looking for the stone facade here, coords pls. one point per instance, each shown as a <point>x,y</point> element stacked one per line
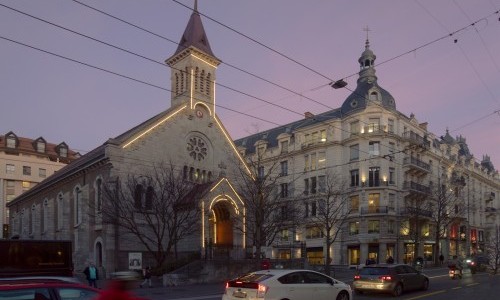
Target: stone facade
<point>393,166</point>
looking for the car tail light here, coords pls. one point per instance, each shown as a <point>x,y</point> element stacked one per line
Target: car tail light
<point>386,278</point>
<point>356,277</point>
<point>261,291</point>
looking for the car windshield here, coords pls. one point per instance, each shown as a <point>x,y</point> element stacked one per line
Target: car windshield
<point>374,271</point>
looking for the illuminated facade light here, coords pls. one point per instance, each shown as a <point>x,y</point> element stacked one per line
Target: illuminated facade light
<point>154,126</point>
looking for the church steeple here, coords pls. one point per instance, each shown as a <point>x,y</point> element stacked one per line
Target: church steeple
<point>367,63</point>
<point>194,34</point>
<point>193,67</point>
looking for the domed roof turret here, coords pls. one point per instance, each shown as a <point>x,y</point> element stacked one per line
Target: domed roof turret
<point>367,88</point>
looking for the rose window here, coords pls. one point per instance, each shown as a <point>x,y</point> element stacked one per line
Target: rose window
<point>197,148</point>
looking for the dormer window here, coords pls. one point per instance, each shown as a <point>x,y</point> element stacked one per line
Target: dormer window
<point>11,141</point>
<point>40,145</point>
<point>62,149</point>
<point>374,96</point>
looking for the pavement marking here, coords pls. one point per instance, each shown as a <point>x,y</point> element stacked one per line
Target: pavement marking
<point>471,284</point>
<point>427,295</point>
<point>456,288</point>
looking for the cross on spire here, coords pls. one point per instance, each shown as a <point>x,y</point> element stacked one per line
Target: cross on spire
<point>367,43</point>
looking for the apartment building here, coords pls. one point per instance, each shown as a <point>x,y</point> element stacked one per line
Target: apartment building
<point>404,184</point>
<point>24,163</point>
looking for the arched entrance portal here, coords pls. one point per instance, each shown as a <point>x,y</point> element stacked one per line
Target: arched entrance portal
<point>221,225</point>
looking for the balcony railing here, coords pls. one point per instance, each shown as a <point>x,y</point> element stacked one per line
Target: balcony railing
<point>374,210</point>
<point>414,187</point>
<point>415,139</point>
<point>415,211</point>
<point>414,162</point>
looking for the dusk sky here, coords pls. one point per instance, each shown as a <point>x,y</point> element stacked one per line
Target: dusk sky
<point>298,47</point>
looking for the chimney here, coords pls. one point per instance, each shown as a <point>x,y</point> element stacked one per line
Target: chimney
<point>308,115</point>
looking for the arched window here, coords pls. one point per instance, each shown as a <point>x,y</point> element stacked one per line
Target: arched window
<point>182,83</point>
<point>191,174</point>
<point>98,254</point>
<point>78,205</point>
<point>60,211</point>
<point>32,222</point>
<point>150,193</point>
<point>373,96</point>
<point>98,195</point>
<point>196,78</point>
<point>138,196</point>
<point>45,216</point>
<point>176,84</point>
<point>208,84</point>
<point>185,173</point>
<point>202,81</point>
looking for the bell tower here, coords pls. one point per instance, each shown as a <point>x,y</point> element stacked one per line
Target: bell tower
<point>193,67</point>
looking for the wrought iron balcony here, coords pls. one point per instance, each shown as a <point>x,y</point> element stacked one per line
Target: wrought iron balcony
<point>374,210</point>
<point>416,166</point>
<point>416,140</point>
<point>415,211</point>
<point>416,189</point>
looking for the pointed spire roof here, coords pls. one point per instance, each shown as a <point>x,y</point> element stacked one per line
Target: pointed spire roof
<point>194,34</point>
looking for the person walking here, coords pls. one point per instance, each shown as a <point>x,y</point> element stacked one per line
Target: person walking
<point>147,276</point>
<point>91,274</point>
<point>120,287</point>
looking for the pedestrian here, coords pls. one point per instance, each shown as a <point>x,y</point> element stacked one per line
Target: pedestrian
<point>441,259</point>
<point>91,274</point>
<point>147,276</point>
<point>119,287</point>
<point>390,260</point>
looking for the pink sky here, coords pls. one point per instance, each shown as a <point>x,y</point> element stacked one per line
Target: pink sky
<point>447,84</point>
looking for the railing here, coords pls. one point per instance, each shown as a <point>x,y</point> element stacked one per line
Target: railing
<point>374,210</point>
<point>416,187</point>
<point>415,139</point>
<point>416,162</point>
<point>414,211</point>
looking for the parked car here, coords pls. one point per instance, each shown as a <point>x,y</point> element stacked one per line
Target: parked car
<point>389,278</point>
<point>45,289</point>
<point>277,284</point>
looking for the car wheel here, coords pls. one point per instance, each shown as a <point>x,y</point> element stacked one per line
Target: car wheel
<point>398,290</point>
<point>343,296</point>
<point>425,286</point>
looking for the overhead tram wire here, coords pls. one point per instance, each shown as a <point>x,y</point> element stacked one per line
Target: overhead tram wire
<point>268,102</point>
<point>381,63</point>
<point>461,48</point>
<point>130,52</point>
<point>151,85</point>
<point>225,63</point>
<point>174,68</point>
<point>125,76</point>
<point>157,62</point>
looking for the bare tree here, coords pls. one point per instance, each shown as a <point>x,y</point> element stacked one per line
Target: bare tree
<point>331,212</point>
<point>269,207</point>
<point>158,208</point>
<point>493,249</point>
<point>446,206</point>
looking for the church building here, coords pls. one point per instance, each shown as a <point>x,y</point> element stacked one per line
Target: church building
<point>189,136</point>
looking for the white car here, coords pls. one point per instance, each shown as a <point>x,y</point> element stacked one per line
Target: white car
<point>279,284</point>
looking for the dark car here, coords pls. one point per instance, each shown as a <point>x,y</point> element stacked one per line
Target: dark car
<point>45,289</point>
<point>389,278</point>
<point>477,263</point>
